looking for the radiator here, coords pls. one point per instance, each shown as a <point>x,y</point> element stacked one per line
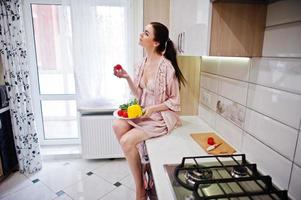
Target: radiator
<point>97,137</point>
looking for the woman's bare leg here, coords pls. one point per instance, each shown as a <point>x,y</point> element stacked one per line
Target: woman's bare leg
<point>128,143</point>
<point>120,127</point>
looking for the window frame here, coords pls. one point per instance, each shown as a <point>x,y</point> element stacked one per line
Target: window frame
<point>37,98</point>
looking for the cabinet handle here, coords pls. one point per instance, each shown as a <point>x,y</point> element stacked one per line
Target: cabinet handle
<point>179,43</point>
<point>183,42</point>
<point>181,50</point>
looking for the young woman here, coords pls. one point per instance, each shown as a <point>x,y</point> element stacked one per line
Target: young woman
<point>156,86</point>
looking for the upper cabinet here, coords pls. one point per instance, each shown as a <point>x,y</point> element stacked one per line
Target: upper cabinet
<point>189,21</point>
<point>237,29</point>
<point>218,28</point>
<point>156,10</point>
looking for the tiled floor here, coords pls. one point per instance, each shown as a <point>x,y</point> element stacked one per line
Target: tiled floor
<point>72,179</point>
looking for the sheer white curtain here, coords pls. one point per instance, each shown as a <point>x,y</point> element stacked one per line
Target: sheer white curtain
<point>102,33</point>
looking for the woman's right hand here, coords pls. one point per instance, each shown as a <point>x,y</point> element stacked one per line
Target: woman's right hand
<point>120,73</point>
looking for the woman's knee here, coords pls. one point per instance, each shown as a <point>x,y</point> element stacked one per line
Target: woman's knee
<point>127,143</point>
<point>120,126</point>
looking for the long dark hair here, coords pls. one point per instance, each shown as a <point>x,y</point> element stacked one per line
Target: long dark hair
<point>161,35</point>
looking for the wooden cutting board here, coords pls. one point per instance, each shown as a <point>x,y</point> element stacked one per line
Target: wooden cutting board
<point>224,148</point>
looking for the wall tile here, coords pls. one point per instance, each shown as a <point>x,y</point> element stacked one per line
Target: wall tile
<point>210,82</point>
<point>231,133</point>
<point>207,115</point>
<point>281,73</point>
<point>283,12</point>
<point>298,151</point>
<point>278,136</point>
<point>268,161</point>
<point>209,65</point>
<point>283,106</point>
<point>295,184</point>
<point>233,67</point>
<point>208,98</point>
<point>230,110</point>
<point>282,41</point>
<point>233,89</point>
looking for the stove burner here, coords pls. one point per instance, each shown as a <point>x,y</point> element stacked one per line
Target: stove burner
<point>192,176</point>
<point>239,171</point>
<point>189,197</point>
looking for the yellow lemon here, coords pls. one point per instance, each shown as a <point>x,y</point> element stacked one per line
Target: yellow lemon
<point>134,111</point>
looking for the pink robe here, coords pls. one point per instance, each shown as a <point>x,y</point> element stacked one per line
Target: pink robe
<point>164,88</point>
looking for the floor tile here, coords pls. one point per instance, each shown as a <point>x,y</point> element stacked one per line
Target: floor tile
<point>48,167</point>
<point>87,165</point>
<point>59,177</point>
<point>63,197</point>
<point>36,191</point>
<point>91,188</point>
<point>120,193</point>
<point>13,183</point>
<point>128,182</point>
<point>113,171</point>
<point>68,178</point>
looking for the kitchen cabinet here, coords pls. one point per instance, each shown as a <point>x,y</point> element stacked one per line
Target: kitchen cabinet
<point>191,68</point>
<point>189,25</point>
<point>237,29</point>
<point>156,10</point>
<point>217,28</point>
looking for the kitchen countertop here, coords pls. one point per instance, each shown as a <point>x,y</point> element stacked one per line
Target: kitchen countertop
<point>170,149</point>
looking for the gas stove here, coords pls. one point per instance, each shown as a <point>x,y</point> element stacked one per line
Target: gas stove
<point>221,177</point>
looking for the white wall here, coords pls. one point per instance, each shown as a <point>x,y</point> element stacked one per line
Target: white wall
<point>261,99</point>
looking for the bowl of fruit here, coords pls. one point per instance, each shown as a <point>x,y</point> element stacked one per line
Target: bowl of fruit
<point>130,110</point>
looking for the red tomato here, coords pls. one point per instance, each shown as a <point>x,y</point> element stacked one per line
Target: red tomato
<point>125,114</point>
<point>210,141</point>
<point>117,67</point>
<point>120,113</point>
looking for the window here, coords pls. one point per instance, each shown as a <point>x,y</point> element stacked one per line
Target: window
<point>53,54</point>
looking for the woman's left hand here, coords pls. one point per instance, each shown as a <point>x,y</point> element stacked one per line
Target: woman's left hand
<point>148,111</point>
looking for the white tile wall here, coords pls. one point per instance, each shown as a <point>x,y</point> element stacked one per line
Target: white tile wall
<point>233,89</point>
<point>282,41</point>
<point>233,67</point>
<point>277,104</point>
<point>231,111</point>
<point>268,161</point>
<point>283,12</point>
<point>210,82</point>
<point>209,65</point>
<point>295,184</point>
<point>298,151</point>
<point>282,73</point>
<point>272,133</point>
<point>229,132</point>
<point>208,98</point>
<point>271,89</point>
<point>207,115</point>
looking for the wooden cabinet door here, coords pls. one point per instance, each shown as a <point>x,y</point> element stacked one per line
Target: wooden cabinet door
<point>237,29</point>
<point>156,10</point>
<point>191,68</point>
